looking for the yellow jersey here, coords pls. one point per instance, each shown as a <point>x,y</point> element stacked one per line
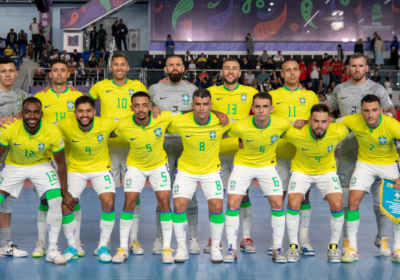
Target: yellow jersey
<point>315,156</point>
<point>259,144</point>
<point>58,106</point>
<point>26,149</point>
<point>376,146</point>
<point>88,151</point>
<point>146,142</point>
<point>295,105</point>
<point>201,143</point>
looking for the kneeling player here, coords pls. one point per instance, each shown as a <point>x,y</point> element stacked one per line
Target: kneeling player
<point>314,162</point>
<point>89,159</point>
<point>257,159</point>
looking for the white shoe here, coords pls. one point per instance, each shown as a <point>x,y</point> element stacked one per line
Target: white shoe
<point>382,244</point>
<point>54,256</point>
<point>350,256</point>
<point>231,255</point>
<point>157,246</point>
<point>396,256</point>
<point>181,255</point>
<point>70,253</point>
<point>81,252</point>
<point>108,246</point>
<point>12,250</point>
<point>346,244</point>
<point>278,256</point>
<point>121,256</point>
<point>40,249</point>
<point>334,254</point>
<point>103,254</point>
<point>216,255</point>
<point>305,247</point>
<point>247,245</point>
<point>136,248</point>
<point>293,253</point>
<point>167,255</point>
<point>207,249</point>
<point>194,246</point>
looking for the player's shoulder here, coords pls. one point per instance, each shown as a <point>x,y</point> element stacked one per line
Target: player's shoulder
<point>135,83</point>
<point>279,120</point>
<point>12,126</point>
<point>41,94</point>
<point>215,89</point>
<point>125,121</point>
<point>66,122</point>
<point>309,93</point>
<point>247,89</point>
<point>375,88</point>
<point>75,93</point>
<point>277,91</point>
<point>49,127</point>
<point>21,92</point>
<point>105,82</point>
<point>342,86</point>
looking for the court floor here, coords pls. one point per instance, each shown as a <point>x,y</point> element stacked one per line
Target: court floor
<point>149,266</point>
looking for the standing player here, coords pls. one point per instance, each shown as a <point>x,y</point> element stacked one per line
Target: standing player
<point>235,100</point>
<point>257,159</point>
<point>295,104</point>
<point>314,162</point>
<point>88,159</point>
<point>201,134</point>
<point>347,98</point>
<point>33,143</point>
<point>146,159</point>
<point>377,158</point>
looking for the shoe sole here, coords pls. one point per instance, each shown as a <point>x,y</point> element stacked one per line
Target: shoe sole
<point>279,261</point>
<point>379,247</point>
<point>216,261</point>
<point>270,252</point>
<point>307,253</point>
<point>57,263</point>
<point>39,256</point>
<point>117,261</point>
<point>348,261</point>
<point>168,262</point>
<point>335,261</point>
<point>179,261</point>
<point>292,261</point>
<point>156,253</point>
<point>82,255</point>
<point>105,261</point>
<point>194,252</point>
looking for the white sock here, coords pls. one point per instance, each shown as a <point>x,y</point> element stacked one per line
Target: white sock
<point>135,224</point>
<point>54,219</point>
<point>217,227</point>
<point>78,220</point>
<point>344,229</point>
<point>396,232</point>
<point>69,228</point>
<point>106,226</point>
<point>166,224</point>
<point>245,218</point>
<point>158,223</point>
<point>5,236</point>
<point>193,216</point>
<point>278,227</point>
<point>305,217</point>
<point>337,220</point>
<point>125,225</point>
<point>232,222</point>
<point>180,227</point>
<point>353,222</point>
<point>380,221</point>
<point>293,221</point>
<point>42,222</point>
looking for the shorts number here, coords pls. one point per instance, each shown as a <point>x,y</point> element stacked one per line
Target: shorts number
<point>318,159</point>
<point>122,103</point>
<point>60,116</point>
<point>148,147</point>
<point>262,149</point>
<point>335,180</point>
<point>164,177</point>
<point>88,150</point>
<point>202,148</point>
<point>353,110</point>
<point>52,176</point>
<point>218,183</point>
<point>232,109</point>
<point>107,179</point>
<point>276,181</point>
<point>290,111</point>
<point>29,153</point>
<point>372,146</point>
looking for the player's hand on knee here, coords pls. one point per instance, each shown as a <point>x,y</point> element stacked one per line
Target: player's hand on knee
<point>6,120</point>
<point>69,201</point>
<point>156,112</point>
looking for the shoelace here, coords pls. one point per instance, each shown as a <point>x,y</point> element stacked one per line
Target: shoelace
<point>136,244</point>
<point>79,244</point>
<point>120,251</point>
<point>209,242</point>
<point>346,244</point>
<point>350,251</point>
<point>168,252</point>
<point>384,244</point>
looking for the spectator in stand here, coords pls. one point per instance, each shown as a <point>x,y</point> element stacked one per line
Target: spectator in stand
<point>39,75</point>
<point>93,35</point>
<point>73,62</point>
<point>34,27</point>
<point>263,76</point>
<point>12,37</point>
<point>376,78</point>
<point>192,65</point>
<point>340,54</point>
<point>159,65</point>
<point>359,48</point>
<point>245,83</point>
<point>115,34</point>
<point>17,50</point>
<point>309,86</point>
<point>71,69</point>
<point>337,67</point>
<point>123,32</point>
<point>274,83</point>
<point>328,94</point>
<point>196,82</point>
<point>332,86</point>
<point>313,73</point>
<point>39,43</point>
<point>263,58</point>
<point>203,75</point>
<point>188,57</point>
<point>104,55</point>
<point>257,86</point>
<point>249,44</point>
<point>394,51</point>
<point>249,76</point>
<point>258,65</point>
<point>45,58</point>
<point>8,51</point>
<point>81,64</point>
<point>55,55</point>
<point>321,98</point>
<point>186,75</point>
<point>303,71</point>
<point>269,65</point>
<point>169,45</point>
<point>102,36</point>
<point>246,64</point>
<point>276,75</point>
<point>215,64</point>
<point>94,55</point>
<point>30,49</point>
<point>326,69</point>
<point>320,88</point>
<point>379,49</point>
<point>370,63</point>
<point>22,39</point>
<point>279,57</point>
<point>75,55</point>
<point>92,64</point>
<point>267,85</point>
<point>65,55</point>
<point>147,63</point>
<point>326,57</point>
<point>202,58</point>
<point>204,82</point>
<point>2,44</point>
<point>49,48</point>
<point>102,65</point>
<point>372,45</point>
<point>389,85</point>
<point>346,74</point>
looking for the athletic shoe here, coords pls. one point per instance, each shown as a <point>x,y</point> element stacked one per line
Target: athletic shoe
<point>70,253</point>
<point>350,256</point>
<point>293,253</point>
<point>382,244</point>
<point>157,246</point>
<point>216,255</point>
<point>231,255</point>
<point>396,256</point>
<point>271,248</point>
<point>167,255</point>
<point>136,248</point>
<point>108,247</point>
<point>346,244</point>
<point>54,256</point>
<point>207,249</point>
<point>40,249</point>
<point>305,247</point>
<point>194,246</point>
<point>81,253</point>
<point>247,245</point>
<point>334,254</point>
<point>181,255</point>
<point>103,254</point>
<point>12,250</point>
<point>121,256</point>
<point>278,256</point>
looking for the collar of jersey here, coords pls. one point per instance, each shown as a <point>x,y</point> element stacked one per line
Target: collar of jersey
<point>258,127</point>
<point>88,130</point>
<point>289,89</point>
<point>209,120</point>
<point>143,127</point>
<point>119,85</point>
<point>30,135</point>
<point>229,89</point>
<point>372,129</point>
<point>61,92</point>
<point>313,135</point>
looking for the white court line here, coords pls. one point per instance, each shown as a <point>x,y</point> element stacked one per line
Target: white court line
<point>327,1</point>
<point>311,19</point>
<point>361,21</point>
<point>387,2</point>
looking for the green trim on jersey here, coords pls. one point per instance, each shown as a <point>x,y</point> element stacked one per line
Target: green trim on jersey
<point>88,130</point>
<point>58,94</point>
<point>229,89</point>
<point>254,124</point>
<point>30,135</point>
<point>3,145</point>
<point>372,129</point>
<point>142,126</point>
<point>55,152</point>
<point>91,95</point>
<point>289,89</point>
<point>119,85</point>
<point>316,138</point>
<point>209,120</point>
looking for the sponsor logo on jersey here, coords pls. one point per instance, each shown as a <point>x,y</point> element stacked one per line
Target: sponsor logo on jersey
<point>243,98</point>
<point>176,189</point>
<point>213,134</point>
<point>158,132</point>
<point>70,105</point>
<point>100,138</point>
<point>232,185</point>
<point>274,138</point>
<point>302,101</point>
<point>330,148</point>
<point>396,193</point>
<point>131,92</point>
<point>382,139</point>
<point>293,185</point>
<point>185,99</point>
<point>41,147</point>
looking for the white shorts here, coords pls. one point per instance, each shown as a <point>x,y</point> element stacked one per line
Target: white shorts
<point>54,164</point>
<point>366,174</point>
<point>102,182</point>
<point>185,185</point>
<point>226,169</point>
<point>267,177</point>
<point>283,165</point>
<point>159,179</point>
<point>118,156</point>
<point>43,176</point>
<point>327,183</point>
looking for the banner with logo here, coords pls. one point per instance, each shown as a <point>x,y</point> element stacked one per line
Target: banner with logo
<point>390,200</point>
<point>46,20</point>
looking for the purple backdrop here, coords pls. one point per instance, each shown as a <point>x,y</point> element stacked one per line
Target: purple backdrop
<point>46,20</point>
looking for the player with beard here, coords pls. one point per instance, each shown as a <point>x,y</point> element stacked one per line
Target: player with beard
<point>347,98</point>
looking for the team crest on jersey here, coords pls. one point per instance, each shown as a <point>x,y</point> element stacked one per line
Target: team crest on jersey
<point>19,103</point>
<point>70,105</point>
<point>158,132</point>
<point>342,178</point>
<point>293,185</point>
<point>396,194</point>
<point>243,97</point>
<point>274,139</point>
<point>232,185</point>
<point>353,181</point>
<point>382,139</point>
<point>330,148</point>
<point>41,147</point>
<point>100,138</point>
<point>213,134</point>
<point>1,180</point>
<point>131,92</point>
<point>302,101</point>
<point>185,99</point>
<point>176,189</point>
<point>128,182</point>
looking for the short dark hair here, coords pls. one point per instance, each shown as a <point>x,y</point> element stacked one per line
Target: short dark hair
<point>202,93</point>
<point>356,56</point>
<point>56,50</point>
<point>172,56</point>
<point>232,59</point>
<point>49,42</point>
<point>7,60</point>
<point>248,34</point>
<point>140,94</point>
<point>119,55</point>
<point>263,95</point>
<point>58,61</point>
<point>32,100</point>
<point>369,98</point>
<point>85,99</point>
<point>321,108</point>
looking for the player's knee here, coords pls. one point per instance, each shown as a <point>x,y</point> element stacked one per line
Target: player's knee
<point>108,205</point>
<point>163,203</point>
<point>65,209</point>
<point>353,203</point>
<point>336,206</point>
<point>277,204</point>
<point>294,204</point>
